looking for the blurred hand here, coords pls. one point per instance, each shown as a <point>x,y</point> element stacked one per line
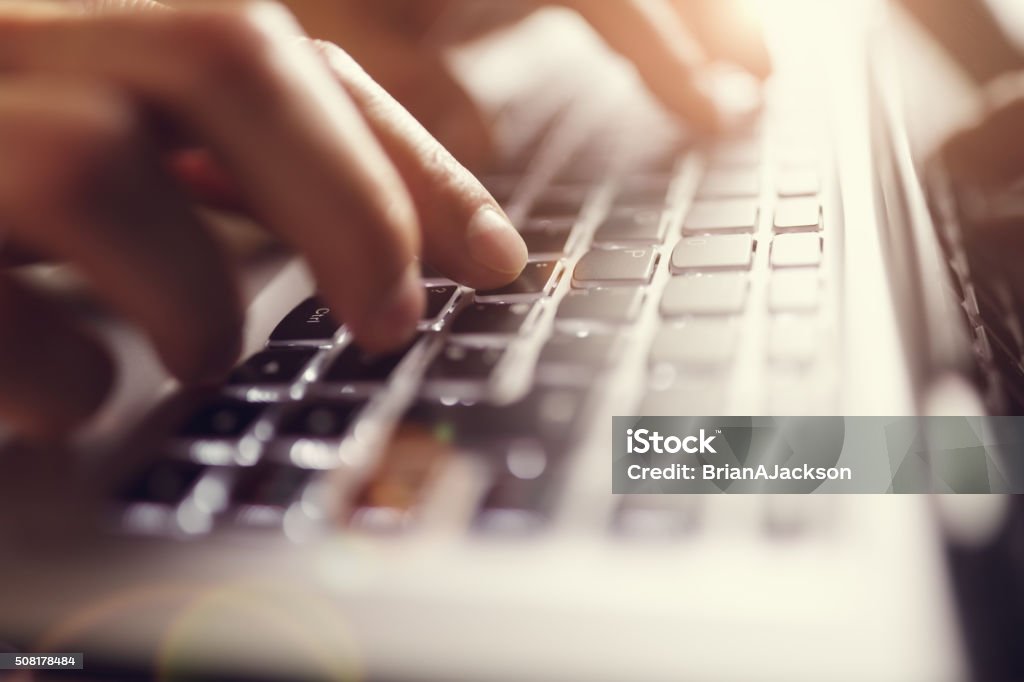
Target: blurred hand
<point>113,119</point>
<point>667,40</point>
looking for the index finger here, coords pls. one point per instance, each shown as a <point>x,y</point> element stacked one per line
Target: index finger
<point>651,35</point>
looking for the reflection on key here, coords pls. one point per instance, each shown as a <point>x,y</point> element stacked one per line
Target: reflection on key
<point>797,214</point>
<point>796,290</point>
<point>796,250</point>
<point>706,254</point>
<point>721,294</point>
<point>492,319</point>
<point>720,184</point>
<point>726,215</point>
<point>619,305</point>
<point>697,343</point>
<point>536,279</point>
<point>632,225</point>
<point>272,367</point>
<point>310,321</point>
<point>615,266</point>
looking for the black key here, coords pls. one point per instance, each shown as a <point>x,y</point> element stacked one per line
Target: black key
<point>620,305</point>
<point>310,321</point>
<point>723,215</point>
<point>632,225</point>
<point>439,300</point>
<point>223,418</point>
<point>273,367</point>
<point>322,419</point>
<point>650,191</point>
<point>704,254</point>
<point>465,363</point>
<point>430,272</point>
<point>615,266</point>
<point>354,365</point>
<point>547,415</point>
<point>561,202</point>
<point>534,280</point>
<point>271,485</point>
<point>166,482</point>
<point>492,318</point>
<point>591,350</point>
<point>549,240</point>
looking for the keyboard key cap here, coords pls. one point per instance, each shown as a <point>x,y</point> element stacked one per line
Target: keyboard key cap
<point>561,202</point>
<point>221,419</point>
<point>429,272</point>
<point>620,305</point>
<point>412,459</point>
<point>272,367</point>
<point>796,250</point>
<point>797,290</point>
<point>353,365</point>
<point>727,215</point>
<point>644,191</point>
<point>793,340</point>
<point>688,396</point>
<point>726,252</point>
<point>542,241</point>
<point>572,350</point>
<point>271,484</point>
<point>797,183</point>
<point>723,294</point>
<point>697,343</point>
<point>737,154</point>
<point>657,516</point>
<point>166,482</point>
<point>439,302</point>
<point>632,225</point>
<point>722,184</point>
<point>515,505</point>
<point>310,321</point>
<point>492,319</point>
<point>546,415</point>
<point>797,214</point>
<point>321,419</point>
<point>615,266</point>
<point>458,362</point>
<point>536,279</point>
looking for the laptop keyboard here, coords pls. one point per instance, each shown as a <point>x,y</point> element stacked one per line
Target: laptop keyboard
<point>711,270</point>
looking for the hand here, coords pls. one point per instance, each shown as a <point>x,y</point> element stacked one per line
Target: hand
<point>667,40</point>
<point>103,114</point>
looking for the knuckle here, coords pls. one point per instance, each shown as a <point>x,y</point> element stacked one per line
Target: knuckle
<point>229,48</point>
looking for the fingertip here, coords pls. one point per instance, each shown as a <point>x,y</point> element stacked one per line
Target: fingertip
<point>393,322</point>
<point>495,244</point>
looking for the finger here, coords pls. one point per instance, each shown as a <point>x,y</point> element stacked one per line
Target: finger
<point>53,375</point>
<point>276,120</point>
<point>728,30</point>
<point>651,35</point>
<point>79,182</point>
<point>466,235</point>
<point>991,152</point>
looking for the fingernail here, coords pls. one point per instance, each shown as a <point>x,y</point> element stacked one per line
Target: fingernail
<point>399,312</point>
<point>494,243</point>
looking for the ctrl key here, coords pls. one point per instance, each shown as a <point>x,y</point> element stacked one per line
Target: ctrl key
<point>310,322</point>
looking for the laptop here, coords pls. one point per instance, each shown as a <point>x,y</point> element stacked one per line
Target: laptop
<point>445,513</point>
